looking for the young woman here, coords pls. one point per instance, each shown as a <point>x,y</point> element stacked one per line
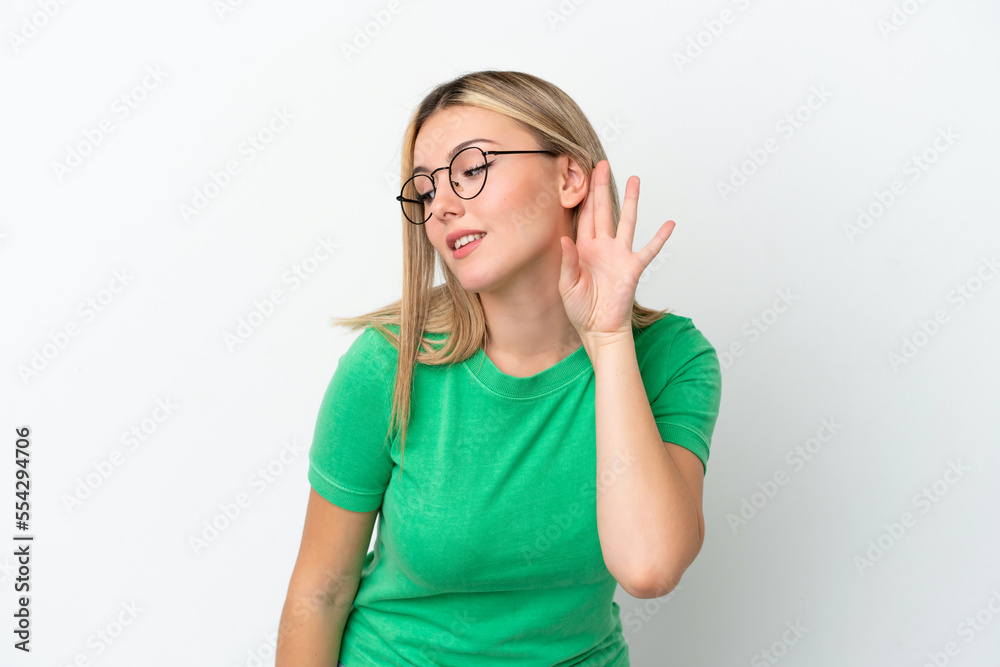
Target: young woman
<point>557,431</point>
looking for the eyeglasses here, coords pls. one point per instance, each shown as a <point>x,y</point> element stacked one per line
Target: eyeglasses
<point>466,173</point>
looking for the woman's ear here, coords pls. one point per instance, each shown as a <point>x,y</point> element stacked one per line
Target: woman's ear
<point>573,184</point>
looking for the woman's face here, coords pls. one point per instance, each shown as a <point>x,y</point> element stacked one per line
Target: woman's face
<point>521,207</point>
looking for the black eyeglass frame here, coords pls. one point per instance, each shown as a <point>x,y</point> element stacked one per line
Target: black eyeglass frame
<point>401,199</point>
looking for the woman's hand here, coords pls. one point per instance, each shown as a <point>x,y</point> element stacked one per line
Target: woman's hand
<point>600,273</point>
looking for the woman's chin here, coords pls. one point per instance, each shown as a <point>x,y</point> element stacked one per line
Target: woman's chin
<point>474,283</point>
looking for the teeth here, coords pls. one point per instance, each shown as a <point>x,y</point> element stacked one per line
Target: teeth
<point>468,239</point>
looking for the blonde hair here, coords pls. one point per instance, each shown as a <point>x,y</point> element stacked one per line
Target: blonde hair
<point>560,126</point>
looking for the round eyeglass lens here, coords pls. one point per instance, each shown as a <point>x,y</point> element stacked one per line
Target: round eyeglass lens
<point>468,175</point>
<point>468,172</point>
<point>419,188</point>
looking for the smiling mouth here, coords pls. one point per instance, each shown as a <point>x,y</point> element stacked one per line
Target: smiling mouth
<point>467,249</point>
<point>472,239</point>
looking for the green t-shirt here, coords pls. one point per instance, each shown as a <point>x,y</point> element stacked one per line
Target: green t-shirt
<point>487,550</point>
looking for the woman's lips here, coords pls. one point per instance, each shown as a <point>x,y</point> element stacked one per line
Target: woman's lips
<point>467,248</point>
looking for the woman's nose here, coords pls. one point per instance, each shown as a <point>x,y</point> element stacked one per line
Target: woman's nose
<point>445,200</point>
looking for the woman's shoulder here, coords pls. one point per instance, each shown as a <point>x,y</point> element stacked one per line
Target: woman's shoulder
<point>371,346</point>
<point>374,341</point>
<point>665,327</point>
<point>671,332</point>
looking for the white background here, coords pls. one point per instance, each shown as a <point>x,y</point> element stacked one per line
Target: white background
<point>331,173</point>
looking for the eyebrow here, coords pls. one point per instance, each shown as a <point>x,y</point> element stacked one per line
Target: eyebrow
<point>452,154</point>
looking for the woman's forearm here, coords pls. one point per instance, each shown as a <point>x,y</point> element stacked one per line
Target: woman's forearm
<point>310,631</point>
<point>647,521</point>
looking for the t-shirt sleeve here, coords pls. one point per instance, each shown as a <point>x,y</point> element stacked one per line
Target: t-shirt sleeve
<point>686,408</point>
<point>349,460</point>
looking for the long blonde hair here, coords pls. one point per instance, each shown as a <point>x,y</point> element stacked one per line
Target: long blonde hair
<point>559,126</point>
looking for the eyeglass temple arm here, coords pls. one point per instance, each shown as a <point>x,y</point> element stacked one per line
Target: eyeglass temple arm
<point>514,152</point>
